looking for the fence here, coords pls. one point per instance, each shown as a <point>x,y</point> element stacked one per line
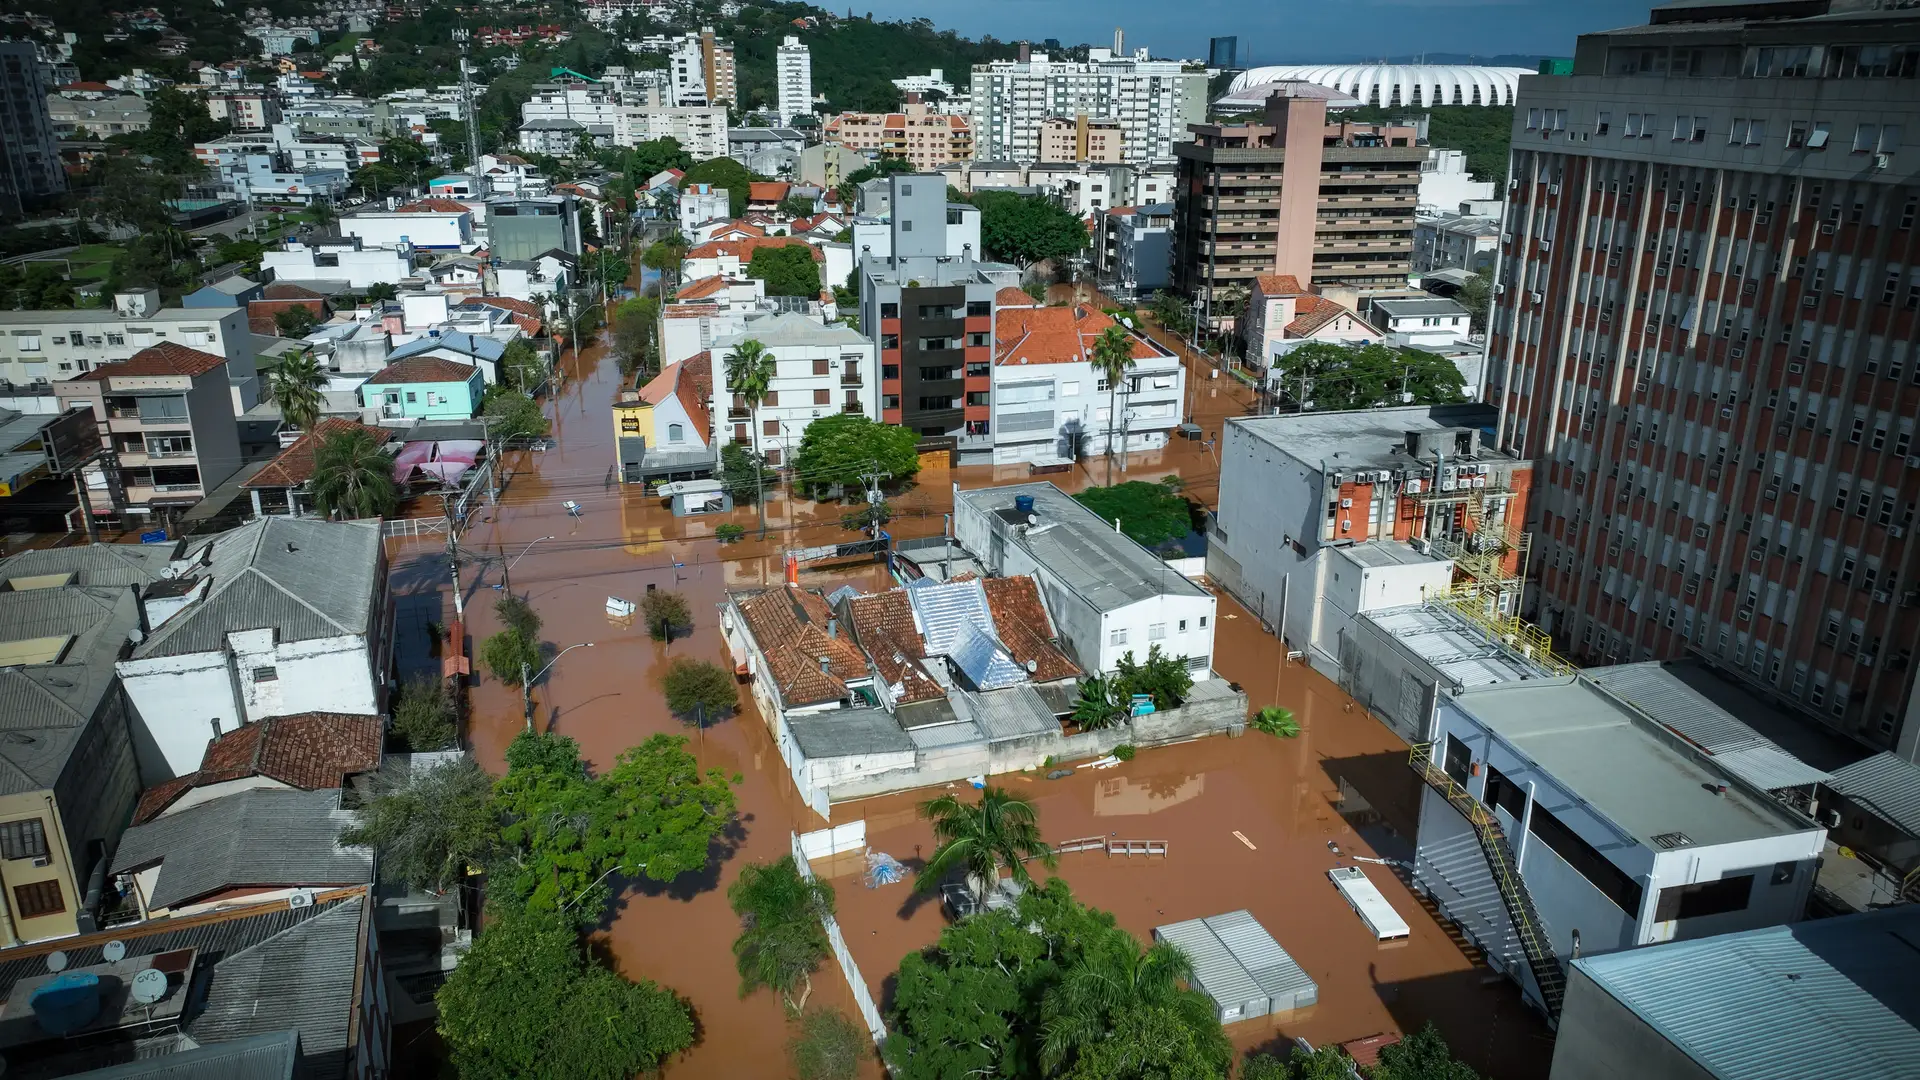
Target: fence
<point>393,527</point>
<point>861,998</point>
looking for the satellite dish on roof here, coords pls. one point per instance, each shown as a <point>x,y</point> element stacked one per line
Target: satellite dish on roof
<point>149,985</point>
<point>56,961</point>
<point>114,951</point>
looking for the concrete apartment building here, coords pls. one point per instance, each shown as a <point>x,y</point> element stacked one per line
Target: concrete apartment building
<point>793,80</point>
<point>166,413</point>
<point>916,135</point>
<point>701,70</point>
<point>700,129</point>
<point>1705,340</point>
<point>1152,101</point>
<point>1080,138</point>
<point>31,168</point>
<point>818,371</point>
<point>98,115</point>
<point>41,348</point>
<point>932,310</point>
<point>1295,194</point>
<point>1133,249</point>
<point>1447,241</point>
<point>594,106</point>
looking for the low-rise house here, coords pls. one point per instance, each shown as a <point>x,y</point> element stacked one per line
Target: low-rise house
<point>460,347</point>
<point>97,115</point>
<point>1049,405</point>
<point>420,388</point>
<point>731,258</point>
<point>277,617</point>
<point>70,775</point>
<point>1430,321</point>
<point>343,260</point>
<point>663,429</point>
<point>300,982</point>
<point>263,312</point>
<point>1282,316</point>
<point>818,371</point>
<point>231,292</point>
<point>428,224</point>
<point>280,487</point>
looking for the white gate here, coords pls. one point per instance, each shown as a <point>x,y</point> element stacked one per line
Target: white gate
<point>870,1013</point>
<point>824,842</point>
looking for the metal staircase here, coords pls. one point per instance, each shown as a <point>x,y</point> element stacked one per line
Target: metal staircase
<point>1528,927</point>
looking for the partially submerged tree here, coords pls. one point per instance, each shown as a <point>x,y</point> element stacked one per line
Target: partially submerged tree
<point>1161,676</point>
<point>782,939</point>
<point>511,414</point>
<point>353,477</point>
<point>665,612</point>
<point>423,717</point>
<point>431,827</point>
<point>828,1046</point>
<point>1000,832</point>
<point>696,689</point>
<point>837,450</point>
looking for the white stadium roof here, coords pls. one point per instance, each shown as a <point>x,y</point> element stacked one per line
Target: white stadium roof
<point>1388,85</point>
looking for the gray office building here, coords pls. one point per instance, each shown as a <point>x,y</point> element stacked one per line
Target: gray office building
<point>30,167</point>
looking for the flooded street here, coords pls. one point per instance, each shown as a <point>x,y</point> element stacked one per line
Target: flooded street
<point>1344,779</point>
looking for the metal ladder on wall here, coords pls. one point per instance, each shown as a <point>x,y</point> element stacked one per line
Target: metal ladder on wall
<point>1527,924</point>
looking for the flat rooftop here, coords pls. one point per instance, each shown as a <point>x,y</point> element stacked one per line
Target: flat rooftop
<point>1106,568</point>
<point>1454,646</point>
<point>1405,309</point>
<point>1642,782</point>
<point>1384,553</point>
<point>1366,438</point>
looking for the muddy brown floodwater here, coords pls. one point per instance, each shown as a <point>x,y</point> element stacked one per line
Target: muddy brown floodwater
<point>1344,779</point>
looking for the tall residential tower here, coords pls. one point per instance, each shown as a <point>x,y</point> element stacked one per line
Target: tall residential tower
<point>793,80</point>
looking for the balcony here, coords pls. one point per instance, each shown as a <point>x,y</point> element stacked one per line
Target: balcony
<point>853,407</point>
<point>739,412</point>
<point>852,379</point>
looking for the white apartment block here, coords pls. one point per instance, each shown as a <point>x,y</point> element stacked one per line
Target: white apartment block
<point>1153,101</point>
<point>701,69</point>
<point>793,80</point>
<point>820,371</point>
<point>591,105</point>
<point>39,348</point>
<point>700,129</point>
<point>933,82</point>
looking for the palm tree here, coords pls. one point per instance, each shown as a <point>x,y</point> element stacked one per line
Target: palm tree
<point>1118,976</point>
<point>1001,832</point>
<point>295,387</point>
<point>1098,705</point>
<point>353,476</point>
<point>783,939</point>
<point>1112,359</point>
<point>750,372</point>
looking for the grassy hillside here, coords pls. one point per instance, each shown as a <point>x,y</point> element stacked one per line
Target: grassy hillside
<point>854,60</point>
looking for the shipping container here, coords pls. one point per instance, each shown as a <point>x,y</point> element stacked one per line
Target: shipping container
<point>1366,901</point>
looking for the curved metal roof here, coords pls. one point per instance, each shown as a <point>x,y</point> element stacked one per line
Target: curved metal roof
<point>1400,84</point>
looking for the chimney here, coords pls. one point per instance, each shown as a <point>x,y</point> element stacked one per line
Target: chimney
<point>833,628</point>
<point>825,662</point>
<point>793,571</point>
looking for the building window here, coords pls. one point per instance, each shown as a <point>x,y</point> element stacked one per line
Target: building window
<point>769,427</point>
<point>266,674</point>
<point>1157,631</point>
<point>1704,898</point>
<point>890,341</point>
<point>979,309</point>
<point>23,839</point>
<point>1116,638</point>
<point>676,433</point>
<point>889,311</point>
<point>37,899</point>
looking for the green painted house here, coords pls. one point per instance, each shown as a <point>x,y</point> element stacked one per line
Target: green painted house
<point>423,387</point>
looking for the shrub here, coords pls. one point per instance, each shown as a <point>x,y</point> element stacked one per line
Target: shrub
<point>1124,751</point>
<point>423,717</point>
<point>665,612</point>
<point>828,1047</point>
<point>1275,720</point>
<point>1163,678</point>
<point>508,654</point>
<point>729,534</point>
<point>697,688</point>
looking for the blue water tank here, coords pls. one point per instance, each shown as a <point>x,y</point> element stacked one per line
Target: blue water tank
<point>68,1002</point>
<point>1023,504</point>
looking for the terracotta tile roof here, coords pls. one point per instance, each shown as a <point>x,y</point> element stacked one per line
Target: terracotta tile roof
<point>294,466</point>
<point>744,249</point>
<point>422,369</point>
<point>309,751</point>
<point>283,290</point>
<point>790,627</point>
<point>1021,620</point>
<point>1311,313</point>
<point>1011,297</point>
<point>1120,211</point>
<point>508,303</point>
<point>1279,285</point>
<point>1055,335</point>
<point>768,191</point>
<point>737,230</point>
<point>690,380</point>
<point>431,206</point>
<point>690,311</point>
<point>815,222</point>
<point>883,624</point>
<point>166,358</point>
<point>702,288</point>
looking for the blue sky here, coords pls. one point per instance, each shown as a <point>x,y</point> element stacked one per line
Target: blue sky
<point>1283,31</point>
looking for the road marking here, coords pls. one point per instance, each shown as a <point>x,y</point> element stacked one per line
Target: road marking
<point>1240,836</point>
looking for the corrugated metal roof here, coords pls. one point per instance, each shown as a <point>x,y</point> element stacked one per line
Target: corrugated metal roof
<point>1219,975</point>
<point>1888,783</point>
<point>1654,691</point>
<point>1825,997</point>
<point>984,661</point>
<point>263,836</point>
<point>265,1057</point>
<point>1283,980</point>
<point>1017,712</point>
<point>848,733</point>
<point>1770,768</point>
<point>943,736</point>
<point>943,612</point>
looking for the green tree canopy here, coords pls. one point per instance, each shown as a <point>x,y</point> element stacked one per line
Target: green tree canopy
<point>431,827</point>
<point>1476,295</point>
<point>1422,1055</point>
<point>788,271</point>
<point>1027,229</point>
<point>516,416</point>
<point>1332,376</point>
<point>837,449</point>
<point>782,939</point>
<point>520,366</point>
<point>739,473</point>
<point>1151,513</point>
<point>527,1004</point>
<point>795,206</point>
<point>353,477</point>
<point>698,690</point>
<point>1000,832</point>
<point>423,717</point>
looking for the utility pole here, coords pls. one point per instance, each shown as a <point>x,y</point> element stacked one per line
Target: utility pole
<point>466,101</point>
<point>453,558</point>
<point>760,494</point>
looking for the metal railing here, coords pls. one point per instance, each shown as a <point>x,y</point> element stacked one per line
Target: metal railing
<point>1528,927</point>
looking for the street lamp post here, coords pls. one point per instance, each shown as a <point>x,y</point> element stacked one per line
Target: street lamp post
<point>527,681</point>
<point>506,572</point>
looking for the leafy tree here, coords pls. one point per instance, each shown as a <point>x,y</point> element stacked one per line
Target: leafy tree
<point>1027,229</point>
<point>1112,358</point>
<point>850,186</point>
<point>1422,1055</point>
<point>1324,375</point>
<point>424,717</point>
<point>665,612</point>
<point>513,415</point>
<point>666,256</point>
<point>1164,678</point>
<point>517,615</point>
<point>828,1046</point>
<point>1125,1010</point>
<point>729,533</point>
<point>1476,295</point>
<point>726,173</point>
<point>527,1004</point>
<point>633,337</point>
<point>782,938</point>
<point>1148,512</point>
<point>700,689</point>
<point>742,471</point>
<point>795,206</point>
<point>1275,721</point>
<point>871,516</point>
<point>514,652</point>
<point>661,814</point>
<point>520,366</point>
<point>1098,706</point>
<point>1324,1063</point>
<point>836,449</point>
<point>789,270</point>
<point>553,855</point>
<point>380,290</point>
<point>1001,831</point>
<point>431,828</point>
<point>353,477</point>
<point>651,158</point>
<point>296,321</point>
<point>1172,312</point>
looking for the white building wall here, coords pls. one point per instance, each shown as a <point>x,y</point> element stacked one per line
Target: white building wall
<point>1181,625</point>
<point>444,231</point>
<point>796,387</point>
<point>359,269</point>
<point>1445,182</point>
<point>793,80</point>
<point>1267,502</point>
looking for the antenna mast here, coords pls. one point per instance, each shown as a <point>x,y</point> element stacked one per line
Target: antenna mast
<point>463,36</point>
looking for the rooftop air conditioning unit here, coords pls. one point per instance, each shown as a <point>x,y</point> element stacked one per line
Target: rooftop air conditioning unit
<point>1796,368</point>
<point>1883,596</point>
<point>1897,531</point>
<point>1746,614</point>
